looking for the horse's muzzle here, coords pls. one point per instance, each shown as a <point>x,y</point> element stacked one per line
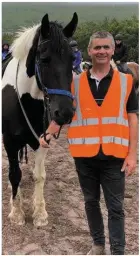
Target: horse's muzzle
<point>62,117</point>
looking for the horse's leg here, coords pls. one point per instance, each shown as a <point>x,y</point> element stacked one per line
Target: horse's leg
<point>16,215</point>
<point>40,215</point>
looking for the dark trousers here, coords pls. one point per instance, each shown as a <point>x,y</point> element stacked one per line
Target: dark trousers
<point>93,173</point>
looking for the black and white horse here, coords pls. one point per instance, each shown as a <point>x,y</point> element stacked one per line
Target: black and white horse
<point>36,86</point>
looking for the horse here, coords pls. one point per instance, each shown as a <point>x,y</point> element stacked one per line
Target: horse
<point>134,68</point>
<point>36,88</point>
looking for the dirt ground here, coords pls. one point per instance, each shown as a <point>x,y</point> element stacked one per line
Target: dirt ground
<point>67,232</point>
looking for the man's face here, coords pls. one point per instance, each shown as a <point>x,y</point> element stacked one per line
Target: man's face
<point>101,50</point>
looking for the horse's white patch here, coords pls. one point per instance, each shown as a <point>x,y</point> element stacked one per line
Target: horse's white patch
<point>17,215</point>
<point>20,49</point>
<point>23,42</point>
<point>24,83</point>
<point>40,215</point>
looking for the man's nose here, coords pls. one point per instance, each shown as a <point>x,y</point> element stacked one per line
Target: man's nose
<point>102,49</point>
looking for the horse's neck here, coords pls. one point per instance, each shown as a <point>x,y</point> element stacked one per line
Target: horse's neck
<point>26,84</point>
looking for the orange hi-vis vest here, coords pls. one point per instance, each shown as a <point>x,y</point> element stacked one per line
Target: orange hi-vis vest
<point>106,125</point>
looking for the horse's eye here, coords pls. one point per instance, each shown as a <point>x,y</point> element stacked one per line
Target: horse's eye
<point>46,59</point>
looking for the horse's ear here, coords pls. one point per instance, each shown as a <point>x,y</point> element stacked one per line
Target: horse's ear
<point>30,62</point>
<point>71,27</point>
<point>45,27</point>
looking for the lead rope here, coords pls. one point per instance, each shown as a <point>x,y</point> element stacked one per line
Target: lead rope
<point>44,117</point>
<point>24,113</point>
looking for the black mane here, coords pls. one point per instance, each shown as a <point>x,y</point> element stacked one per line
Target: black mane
<point>57,37</point>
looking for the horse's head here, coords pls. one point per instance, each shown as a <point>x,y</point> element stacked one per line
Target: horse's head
<point>50,60</point>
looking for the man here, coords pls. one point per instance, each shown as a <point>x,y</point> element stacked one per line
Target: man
<point>103,141</point>
<point>77,57</point>
<point>121,54</point>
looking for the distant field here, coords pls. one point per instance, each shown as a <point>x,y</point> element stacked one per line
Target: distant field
<point>15,14</point>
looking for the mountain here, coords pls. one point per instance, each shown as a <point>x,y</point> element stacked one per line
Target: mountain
<point>17,14</point>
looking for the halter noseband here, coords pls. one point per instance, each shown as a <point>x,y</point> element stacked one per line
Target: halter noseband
<point>51,91</point>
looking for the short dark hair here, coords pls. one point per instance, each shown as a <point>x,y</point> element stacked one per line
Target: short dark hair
<point>101,34</point>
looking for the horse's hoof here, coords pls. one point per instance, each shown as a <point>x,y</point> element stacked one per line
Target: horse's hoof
<point>40,220</point>
<point>17,218</point>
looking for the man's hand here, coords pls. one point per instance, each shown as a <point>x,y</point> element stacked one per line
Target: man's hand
<point>129,165</point>
<point>52,129</point>
<point>43,143</point>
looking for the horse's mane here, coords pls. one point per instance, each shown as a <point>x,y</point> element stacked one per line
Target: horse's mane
<point>23,42</point>
<point>24,39</point>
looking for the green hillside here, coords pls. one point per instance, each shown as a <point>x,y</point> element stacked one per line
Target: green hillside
<point>18,14</point>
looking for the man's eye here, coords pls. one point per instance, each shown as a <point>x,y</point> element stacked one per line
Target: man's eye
<point>106,47</point>
<point>97,48</point>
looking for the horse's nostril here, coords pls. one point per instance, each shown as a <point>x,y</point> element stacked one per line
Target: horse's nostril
<point>56,113</point>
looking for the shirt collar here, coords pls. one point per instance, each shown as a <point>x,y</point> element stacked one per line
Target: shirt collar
<point>109,75</point>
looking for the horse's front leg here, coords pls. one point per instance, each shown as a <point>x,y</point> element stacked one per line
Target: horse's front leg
<point>40,214</point>
<point>16,215</point>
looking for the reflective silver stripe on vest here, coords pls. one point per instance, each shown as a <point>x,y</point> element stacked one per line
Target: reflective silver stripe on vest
<point>123,82</point>
<point>116,140</point>
<point>84,141</point>
<point>105,120</point>
<point>88,121</point>
<point>115,120</point>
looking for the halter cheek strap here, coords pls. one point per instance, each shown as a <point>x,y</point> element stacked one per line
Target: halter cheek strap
<point>51,91</point>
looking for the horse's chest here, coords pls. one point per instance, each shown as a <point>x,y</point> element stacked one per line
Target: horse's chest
<point>13,118</point>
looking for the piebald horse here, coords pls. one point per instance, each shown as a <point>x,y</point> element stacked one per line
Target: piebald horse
<point>36,89</point>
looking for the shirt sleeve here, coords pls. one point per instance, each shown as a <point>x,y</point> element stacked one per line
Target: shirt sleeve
<point>132,103</point>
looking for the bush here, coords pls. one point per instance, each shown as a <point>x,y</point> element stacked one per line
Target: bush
<point>128,28</point>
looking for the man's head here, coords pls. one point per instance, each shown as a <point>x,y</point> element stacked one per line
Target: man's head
<point>118,39</point>
<point>101,47</point>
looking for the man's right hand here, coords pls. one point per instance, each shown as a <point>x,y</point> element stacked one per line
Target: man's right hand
<point>52,129</point>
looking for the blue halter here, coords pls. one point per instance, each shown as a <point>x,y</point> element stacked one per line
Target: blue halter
<point>51,91</point>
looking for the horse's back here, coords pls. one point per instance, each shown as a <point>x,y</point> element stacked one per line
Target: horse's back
<point>134,68</point>
<point>11,112</point>
<point>9,76</point>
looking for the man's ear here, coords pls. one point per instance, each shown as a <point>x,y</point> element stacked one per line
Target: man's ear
<point>89,51</point>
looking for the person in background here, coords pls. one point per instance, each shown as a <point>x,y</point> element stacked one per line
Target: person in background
<point>5,50</point>
<point>77,57</point>
<point>121,54</point>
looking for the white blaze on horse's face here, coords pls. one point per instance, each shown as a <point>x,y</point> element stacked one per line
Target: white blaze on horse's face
<point>101,50</point>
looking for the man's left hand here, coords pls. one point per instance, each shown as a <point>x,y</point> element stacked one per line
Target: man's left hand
<point>129,165</point>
